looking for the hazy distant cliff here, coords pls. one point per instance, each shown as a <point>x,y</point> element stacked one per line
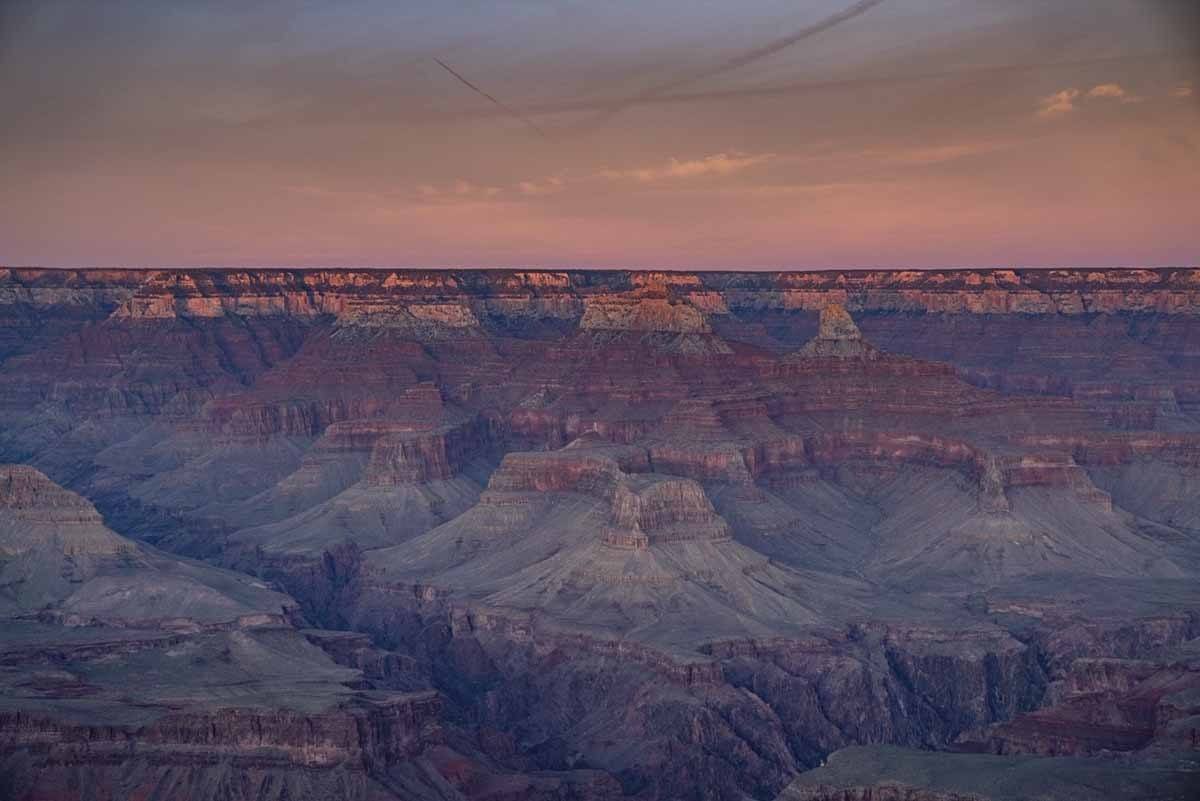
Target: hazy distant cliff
<point>590,294</point>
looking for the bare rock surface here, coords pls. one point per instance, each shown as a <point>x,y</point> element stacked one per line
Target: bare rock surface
<point>565,534</point>
<point>890,774</point>
<point>837,337</point>
<point>57,559</point>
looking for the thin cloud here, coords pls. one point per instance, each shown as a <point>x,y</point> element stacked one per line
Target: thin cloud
<point>548,186</point>
<point>1067,101</point>
<point>803,190</point>
<point>794,88</point>
<point>458,191</point>
<point>716,164</point>
<point>940,154</point>
<point>1112,91</point>
<point>1058,104</point>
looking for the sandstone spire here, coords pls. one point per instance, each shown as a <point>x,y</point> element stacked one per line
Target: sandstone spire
<point>992,499</point>
<point>838,337</point>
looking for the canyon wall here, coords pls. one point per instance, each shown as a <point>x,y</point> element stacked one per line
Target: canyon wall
<point>582,534</point>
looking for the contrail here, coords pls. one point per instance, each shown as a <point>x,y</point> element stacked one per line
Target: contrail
<point>799,87</point>
<point>512,112</point>
<point>771,48</point>
<point>550,108</point>
<point>738,61</point>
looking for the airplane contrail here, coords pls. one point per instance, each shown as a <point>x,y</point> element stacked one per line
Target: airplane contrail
<point>799,87</point>
<point>667,92</point>
<point>771,48</point>
<point>512,112</point>
<point>738,61</point>
<point>557,107</point>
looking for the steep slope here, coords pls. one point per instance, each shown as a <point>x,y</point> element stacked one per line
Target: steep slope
<point>230,701</point>
<point>891,774</point>
<point>59,560</point>
<point>937,529</point>
<point>220,674</point>
<point>571,536</point>
<point>645,533</point>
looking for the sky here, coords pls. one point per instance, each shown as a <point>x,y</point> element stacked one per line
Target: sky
<point>752,134</point>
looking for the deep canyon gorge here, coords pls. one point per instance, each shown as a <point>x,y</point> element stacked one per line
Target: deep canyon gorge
<point>274,534</point>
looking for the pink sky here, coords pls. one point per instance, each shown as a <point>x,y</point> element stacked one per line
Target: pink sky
<point>917,133</point>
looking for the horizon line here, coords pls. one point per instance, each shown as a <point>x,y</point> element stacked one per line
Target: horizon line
<point>638,269</point>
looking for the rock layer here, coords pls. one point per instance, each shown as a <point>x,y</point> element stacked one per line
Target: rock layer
<point>653,534</point>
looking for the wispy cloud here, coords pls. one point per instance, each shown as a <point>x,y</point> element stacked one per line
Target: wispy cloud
<point>463,192</point>
<point>938,154</point>
<point>1069,100</point>
<point>459,190</point>
<point>547,186</point>
<point>716,164</point>
<point>1112,91</point>
<point>811,189</point>
<point>1058,104</point>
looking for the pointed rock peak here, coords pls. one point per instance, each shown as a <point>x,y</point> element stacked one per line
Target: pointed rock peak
<point>27,490</point>
<point>36,513</point>
<point>538,400</point>
<point>992,498</point>
<point>837,324</point>
<point>837,336</point>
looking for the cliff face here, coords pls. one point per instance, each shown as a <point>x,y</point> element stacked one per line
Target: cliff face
<point>414,458</point>
<point>262,754</point>
<point>646,534</point>
<point>395,729</point>
<point>837,337</point>
<point>893,774</point>
<point>59,561</point>
<point>28,494</point>
<point>208,293</point>
<point>878,792</point>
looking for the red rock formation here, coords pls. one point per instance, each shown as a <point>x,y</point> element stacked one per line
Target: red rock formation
<point>837,338</point>
<point>664,511</point>
<point>247,743</point>
<point>27,494</point>
<point>754,453</point>
<point>1107,705</point>
<point>342,385</point>
<point>643,314</point>
<point>1171,291</point>
<point>47,529</point>
<point>561,471</point>
<point>416,458</point>
<point>641,510</point>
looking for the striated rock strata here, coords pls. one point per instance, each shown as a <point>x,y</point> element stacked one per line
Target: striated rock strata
<point>645,534</point>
